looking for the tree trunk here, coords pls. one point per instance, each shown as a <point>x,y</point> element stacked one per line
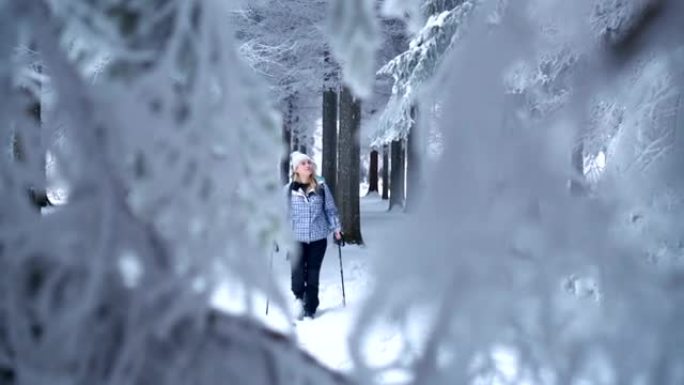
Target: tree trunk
<point>397,173</point>
<point>412,163</point>
<point>300,137</point>
<point>373,173</point>
<point>385,172</point>
<point>285,161</point>
<point>295,141</point>
<point>287,142</point>
<point>349,166</point>
<point>329,167</point>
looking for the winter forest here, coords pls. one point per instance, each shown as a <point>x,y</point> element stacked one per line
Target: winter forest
<point>508,174</point>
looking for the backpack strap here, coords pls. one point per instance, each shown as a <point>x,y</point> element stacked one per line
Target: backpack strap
<point>321,187</point>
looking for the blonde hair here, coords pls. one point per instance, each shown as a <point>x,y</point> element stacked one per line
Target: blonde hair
<point>313,180</point>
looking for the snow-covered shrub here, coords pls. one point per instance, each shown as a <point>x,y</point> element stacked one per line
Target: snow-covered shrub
<point>170,150</point>
<point>501,259</point>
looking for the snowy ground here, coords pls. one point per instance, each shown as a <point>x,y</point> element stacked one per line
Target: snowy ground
<point>326,337</point>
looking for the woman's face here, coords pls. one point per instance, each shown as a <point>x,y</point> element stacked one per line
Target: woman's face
<point>304,168</point>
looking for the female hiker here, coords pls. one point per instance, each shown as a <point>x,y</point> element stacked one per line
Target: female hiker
<point>313,216</point>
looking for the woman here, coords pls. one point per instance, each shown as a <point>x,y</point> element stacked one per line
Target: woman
<point>313,216</point>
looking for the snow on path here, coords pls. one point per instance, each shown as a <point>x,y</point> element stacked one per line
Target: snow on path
<point>326,336</point>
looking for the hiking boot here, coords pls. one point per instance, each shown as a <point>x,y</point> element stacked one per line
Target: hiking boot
<point>298,310</point>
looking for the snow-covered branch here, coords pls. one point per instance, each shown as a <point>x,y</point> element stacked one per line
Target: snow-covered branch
<point>412,69</point>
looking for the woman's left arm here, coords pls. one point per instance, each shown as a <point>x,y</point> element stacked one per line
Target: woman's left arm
<point>331,211</point>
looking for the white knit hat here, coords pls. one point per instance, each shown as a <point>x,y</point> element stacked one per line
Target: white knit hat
<point>297,157</point>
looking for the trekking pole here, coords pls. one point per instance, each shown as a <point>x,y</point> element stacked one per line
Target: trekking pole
<point>339,249</point>
<point>270,273</point>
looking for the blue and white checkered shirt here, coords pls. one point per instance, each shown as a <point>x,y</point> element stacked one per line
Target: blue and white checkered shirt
<point>311,218</point>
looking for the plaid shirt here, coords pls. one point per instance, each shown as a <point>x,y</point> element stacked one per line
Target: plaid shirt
<point>311,218</point>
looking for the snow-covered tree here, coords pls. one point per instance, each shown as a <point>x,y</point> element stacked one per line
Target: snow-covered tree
<point>412,69</point>
<point>518,281</point>
<point>285,42</point>
<point>169,156</point>
<point>353,37</point>
<point>168,149</point>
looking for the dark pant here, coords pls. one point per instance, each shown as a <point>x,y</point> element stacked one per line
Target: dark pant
<point>306,271</point>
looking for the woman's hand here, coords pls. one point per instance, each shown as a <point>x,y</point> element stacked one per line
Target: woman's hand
<point>339,238</point>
